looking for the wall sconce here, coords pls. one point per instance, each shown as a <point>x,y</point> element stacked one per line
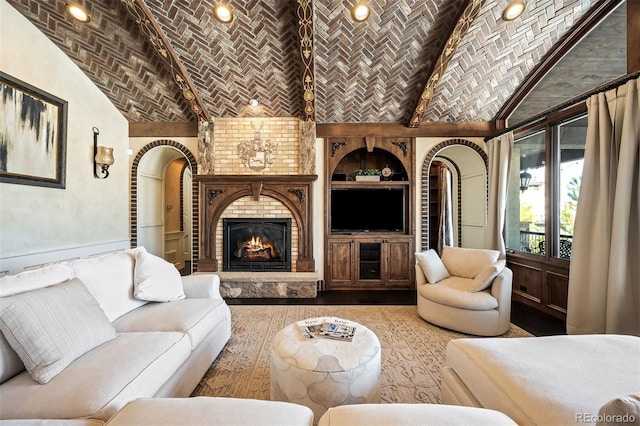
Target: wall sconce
<point>102,156</point>
<point>525,179</point>
<point>360,11</point>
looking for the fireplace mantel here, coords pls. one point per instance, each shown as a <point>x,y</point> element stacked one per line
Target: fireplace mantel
<point>217,192</point>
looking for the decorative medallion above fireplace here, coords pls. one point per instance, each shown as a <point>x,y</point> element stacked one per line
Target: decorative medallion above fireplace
<point>256,244</point>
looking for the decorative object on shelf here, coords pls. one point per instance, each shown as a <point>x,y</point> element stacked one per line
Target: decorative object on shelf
<point>367,174</point>
<point>386,173</point>
<point>258,153</point>
<point>102,156</point>
<point>33,135</point>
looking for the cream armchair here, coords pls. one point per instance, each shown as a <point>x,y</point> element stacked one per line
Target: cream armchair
<point>468,290</point>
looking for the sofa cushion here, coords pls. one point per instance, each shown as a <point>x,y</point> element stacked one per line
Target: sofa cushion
<point>99,383</point>
<point>567,375</point>
<point>10,363</point>
<point>454,292</point>
<point>34,279</point>
<point>50,327</point>
<point>155,279</point>
<point>466,262</point>
<point>195,317</point>
<point>212,411</point>
<point>621,410</point>
<point>110,279</point>
<point>432,266</point>
<point>484,279</point>
<point>396,414</point>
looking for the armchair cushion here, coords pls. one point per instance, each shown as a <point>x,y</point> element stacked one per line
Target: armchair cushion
<point>466,262</point>
<point>156,280</point>
<point>453,291</point>
<point>484,279</point>
<point>432,266</point>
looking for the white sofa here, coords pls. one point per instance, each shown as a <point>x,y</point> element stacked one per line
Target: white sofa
<point>156,349</point>
<point>553,380</point>
<point>468,290</point>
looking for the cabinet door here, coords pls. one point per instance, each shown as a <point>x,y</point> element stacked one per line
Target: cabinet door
<point>370,266</point>
<point>341,270</point>
<point>399,263</point>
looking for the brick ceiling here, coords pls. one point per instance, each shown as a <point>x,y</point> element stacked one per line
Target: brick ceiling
<point>368,72</point>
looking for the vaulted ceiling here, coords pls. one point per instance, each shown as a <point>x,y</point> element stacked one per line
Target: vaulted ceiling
<point>171,61</point>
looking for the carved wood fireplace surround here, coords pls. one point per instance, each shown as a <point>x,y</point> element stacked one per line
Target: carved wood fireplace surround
<point>217,192</point>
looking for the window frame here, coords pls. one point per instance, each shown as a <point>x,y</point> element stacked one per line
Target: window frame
<point>550,125</point>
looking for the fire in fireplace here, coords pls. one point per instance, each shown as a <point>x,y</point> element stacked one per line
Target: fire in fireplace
<point>256,244</point>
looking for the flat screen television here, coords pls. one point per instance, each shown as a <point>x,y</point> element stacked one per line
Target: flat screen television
<point>368,210</point>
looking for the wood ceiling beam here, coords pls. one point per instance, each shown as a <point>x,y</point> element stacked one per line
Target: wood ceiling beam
<point>467,129</point>
<point>464,21</point>
<point>304,10</point>
<point>141,14</point>
<point>586,23</point>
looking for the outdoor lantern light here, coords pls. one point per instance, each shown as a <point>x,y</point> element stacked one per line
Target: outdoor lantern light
<point>525,179</point>
<point>102,156</point>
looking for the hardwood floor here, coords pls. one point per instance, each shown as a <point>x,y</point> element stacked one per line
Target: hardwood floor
<point>523,316</point>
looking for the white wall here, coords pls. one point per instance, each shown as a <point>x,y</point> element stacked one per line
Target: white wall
<point>91,213</point>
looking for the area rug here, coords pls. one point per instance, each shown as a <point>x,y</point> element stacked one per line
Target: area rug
<point>413,350</point>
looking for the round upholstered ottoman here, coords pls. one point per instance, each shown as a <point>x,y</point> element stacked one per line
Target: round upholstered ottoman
<point>322,373</point>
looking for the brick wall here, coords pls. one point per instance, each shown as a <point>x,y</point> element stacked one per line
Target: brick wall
<point>284,132</point>
<point>266,207</point>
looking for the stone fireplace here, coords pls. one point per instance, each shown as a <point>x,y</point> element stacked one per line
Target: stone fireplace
<point>257,170</point>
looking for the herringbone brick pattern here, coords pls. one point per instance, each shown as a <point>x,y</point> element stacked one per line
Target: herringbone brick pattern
<point>496,56</point>
<point>254,56</point>
<point>367,72</point>
<point>375,71</point>
<point>112,52</point>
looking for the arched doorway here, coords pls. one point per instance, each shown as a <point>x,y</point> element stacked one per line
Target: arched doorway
<point>468,164</point>
<point>151,208</point>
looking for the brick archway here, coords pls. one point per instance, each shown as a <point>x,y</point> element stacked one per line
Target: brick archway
<point>424,195</point>
<point>133,205</point>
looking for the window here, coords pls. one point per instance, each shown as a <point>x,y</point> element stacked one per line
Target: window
<point>546,168</point>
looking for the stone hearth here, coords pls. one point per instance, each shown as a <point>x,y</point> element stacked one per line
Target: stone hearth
<point>268,284</point>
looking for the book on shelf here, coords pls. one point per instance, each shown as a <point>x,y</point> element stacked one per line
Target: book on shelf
<point>327,327</point>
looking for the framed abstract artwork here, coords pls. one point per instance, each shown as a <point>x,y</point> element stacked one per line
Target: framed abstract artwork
<point>33,133</point>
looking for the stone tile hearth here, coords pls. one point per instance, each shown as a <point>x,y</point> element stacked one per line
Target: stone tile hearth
<point>268,284</point>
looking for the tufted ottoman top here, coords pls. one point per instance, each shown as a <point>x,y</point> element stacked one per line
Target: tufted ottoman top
<point>325,355</point>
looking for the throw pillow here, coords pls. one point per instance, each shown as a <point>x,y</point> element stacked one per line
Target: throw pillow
<point>622,410</point>
<point>484,279</point>
<point>50,327</point>
<point>432,266</point>
<point>467,262</point>
<point>155,279</point>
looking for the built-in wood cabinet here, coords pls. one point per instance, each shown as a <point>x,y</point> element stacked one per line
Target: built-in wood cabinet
<point>369,224</point>
<point>373,262</point>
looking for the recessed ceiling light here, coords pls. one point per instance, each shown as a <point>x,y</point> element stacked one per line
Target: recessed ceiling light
<point>223,13</point>
<point>514,9</point>
<point>78,12</point>
<point>254,102</point>
<point>360,11</point>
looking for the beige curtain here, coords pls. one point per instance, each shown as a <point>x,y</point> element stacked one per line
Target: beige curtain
<point>604,277</point>
<point>499,150</point>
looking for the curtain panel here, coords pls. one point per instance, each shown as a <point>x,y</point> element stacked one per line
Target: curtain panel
<point>604,276</point>
<point>499,152</point>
